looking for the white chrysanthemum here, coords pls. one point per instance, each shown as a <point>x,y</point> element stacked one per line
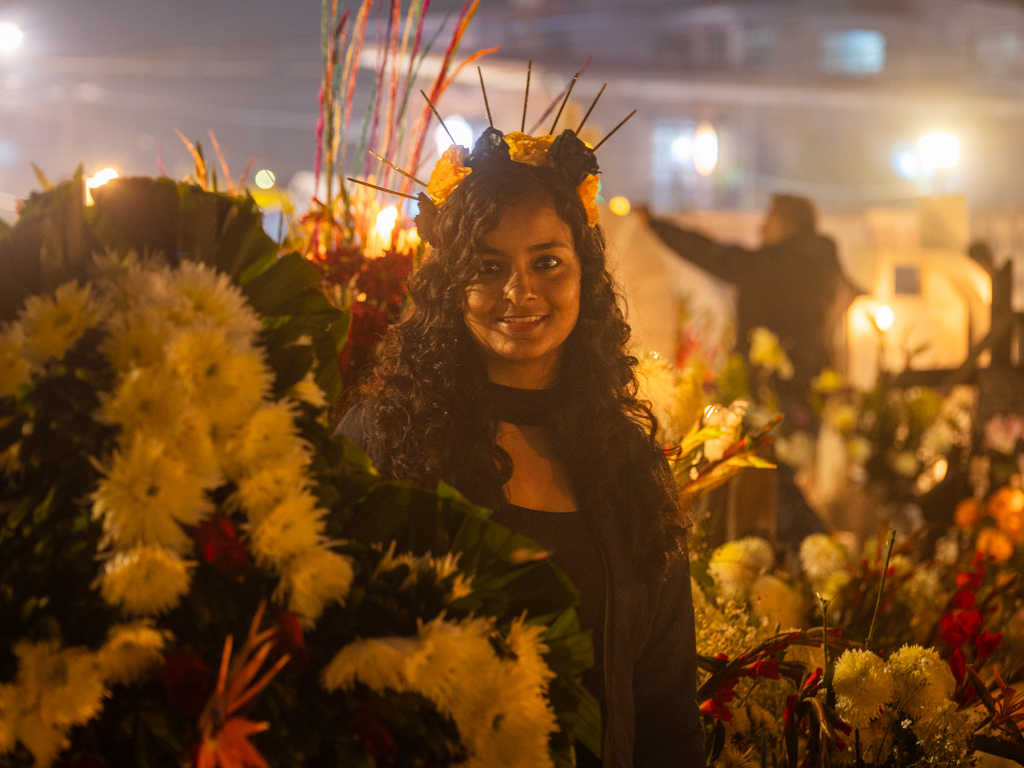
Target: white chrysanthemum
<point>821,556</point>
<point>923,680</point>
<point>294,527</point>
<point>53,326</point>
<point>776,603</point>
<point>131,652</point>
<point>380,663</point>
<point>863,684</point>
<point>146,400</point>
<point>145,581</point>
<point>269,438</point>
<point>129,281</point>
<point>260,493</point>
<point>63,686</point>
<point>729,421</point>
<point>14,367</point>
<point>148,495</point>
<point>314,581</point>
<point>459,668</point>
<point>213,300</point>
<point>308,391</point>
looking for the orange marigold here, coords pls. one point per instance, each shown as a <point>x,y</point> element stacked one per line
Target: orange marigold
<point>995,544</point>
<point>967,514</point>
<point>532,150</point>
<point>449,172</point>
<point>1007,508</point>
<point>588,194</point>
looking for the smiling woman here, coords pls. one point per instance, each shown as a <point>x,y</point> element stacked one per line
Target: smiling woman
<point>510,379</point>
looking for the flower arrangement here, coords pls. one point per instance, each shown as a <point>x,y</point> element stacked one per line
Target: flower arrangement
<point>169,485</point>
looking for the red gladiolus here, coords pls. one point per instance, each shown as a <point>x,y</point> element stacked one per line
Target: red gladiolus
<point>790,712</point>
<point>958,666</point>
<point>219,545</point>
<point>767,668</point>
<point>716,706</point>
<point>810,688</point>
<point>964,600</point>
<point>960,627</point>
<point>986,643</point>
<point>187,682</point>
<point>374,734</point>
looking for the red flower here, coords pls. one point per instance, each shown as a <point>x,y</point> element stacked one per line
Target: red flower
<point>187,682</point>
<point>716,706</point>
<point>790,712</point>
<point>288,639</point>
<point>810,688</point>
<point>958,666</point>
<point>767,668</point>
<point>959,627</point>
<point>220,546</point>
<point>374,734</point>
<point>964,600</point>
<point>986,643</point>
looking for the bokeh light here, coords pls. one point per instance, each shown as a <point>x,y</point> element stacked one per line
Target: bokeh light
<point>101,178</point>
<point>10,37</point>
<point>939,150</point>
<point>681,148</point>
<point>265,179</point>
<point>884,317</point>
<point>705,149</point>
<point>619,205</point>
<point>460,130</point>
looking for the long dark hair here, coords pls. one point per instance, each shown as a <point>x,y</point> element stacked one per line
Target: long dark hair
<point>430,418</point>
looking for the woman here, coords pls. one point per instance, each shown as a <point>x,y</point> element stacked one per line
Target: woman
<point>509,379</point>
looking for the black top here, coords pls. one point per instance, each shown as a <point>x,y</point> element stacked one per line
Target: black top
<point>575,549</point>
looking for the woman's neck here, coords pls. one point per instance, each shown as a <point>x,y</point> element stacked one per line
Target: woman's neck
<point>522,374</point>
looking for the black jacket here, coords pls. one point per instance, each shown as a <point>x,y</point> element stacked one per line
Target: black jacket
<point>790,288</point>
<point>651,718</point>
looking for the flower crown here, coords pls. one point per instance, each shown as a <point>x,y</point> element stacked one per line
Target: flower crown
<point>572,159</point>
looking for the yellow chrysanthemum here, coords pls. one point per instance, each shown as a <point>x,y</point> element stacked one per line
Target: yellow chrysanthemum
<point>53,326</point>
<point>44,740</point>
<point>821,556</point>
<point>131,652</point>
<point>923,680</point>
<point>947,722</point>
<point>449,172</point>
<point>735,565</point>
<point>63,686</point>
<point>268,439</point>
<point>531,150</point>
<point>211,299</point>
<point>863,684</point>
<point>14,368</point>
<point>308,391</point>
<point>145,581</point>
<point>193,444</point>
<point>380,663</point>
<point>587,191</point>
<point>137,339</point>
<point>677,397</point>
<point>314,581</point>
<point>776,603</point>
<point>262,492</point>
<point>146,400</point>
<point>215,374</point>
<point>294,527</point>
<point>148,495</point>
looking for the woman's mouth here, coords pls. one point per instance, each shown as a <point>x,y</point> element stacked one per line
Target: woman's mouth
<point>522,321</point>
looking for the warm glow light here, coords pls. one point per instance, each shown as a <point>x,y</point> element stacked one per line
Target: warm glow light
<point>265,179</point>
<point>681,148</point>
<point>884,317</point>
<point>618,205</point>
<point>461,131</point>
<point>705,149</point>
<point>10,37</point>
<point>939,150</point>
<point>101,178</point>
<point>384,224</point>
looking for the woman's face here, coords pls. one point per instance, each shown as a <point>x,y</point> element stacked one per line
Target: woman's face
<point>524,300</point>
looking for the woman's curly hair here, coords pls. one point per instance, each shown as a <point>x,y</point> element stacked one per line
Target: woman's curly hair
<point>430,419</point>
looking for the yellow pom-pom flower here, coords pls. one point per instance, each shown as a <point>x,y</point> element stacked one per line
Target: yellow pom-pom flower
<point>863,684</point>
<point>923,680</point>
<point>146,581</point>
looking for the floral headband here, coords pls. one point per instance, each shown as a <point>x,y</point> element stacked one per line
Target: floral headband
<point>566,153</point>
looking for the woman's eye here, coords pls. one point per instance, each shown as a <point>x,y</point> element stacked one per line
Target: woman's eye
<point>547,262</point>
<point>489,268</point>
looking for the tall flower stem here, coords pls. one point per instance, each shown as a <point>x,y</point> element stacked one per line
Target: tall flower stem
<point>889,542</point>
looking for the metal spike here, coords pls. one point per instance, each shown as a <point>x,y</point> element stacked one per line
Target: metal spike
<point>382,189</point>
<point>486,105</point>
<point>526,98</point>
<point>564,102</point>
<point>591,108</point>
<point>395,168</point>
<point>602,141</point>
<point>438,116</point>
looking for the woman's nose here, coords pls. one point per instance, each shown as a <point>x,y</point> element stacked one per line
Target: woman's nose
<point>519,287</point>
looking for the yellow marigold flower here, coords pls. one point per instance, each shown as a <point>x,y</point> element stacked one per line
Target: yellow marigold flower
<point>776,603</point>
<point>449,172</point>
<point>14,368</point>
<point>147,496</point>
<point>967,514</point>
<point>995,544</point>
<point>380,663</point>
<point>53,326</point>
<point>262,492</point>
<point>863,684</point>
<point>531,150</point>
<point>64,686</point>
<point>587,191</point>
<point>821,556</point>
<point>314,581</point>
<point>293,528</point>
<point>131,652</point>
<point>308,391</point>
<point>145,581</point>
<point>211,299</point>
<point>923,680</point>
<point>146,400</point>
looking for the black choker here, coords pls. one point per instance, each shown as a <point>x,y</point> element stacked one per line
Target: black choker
<point>523,407</point>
